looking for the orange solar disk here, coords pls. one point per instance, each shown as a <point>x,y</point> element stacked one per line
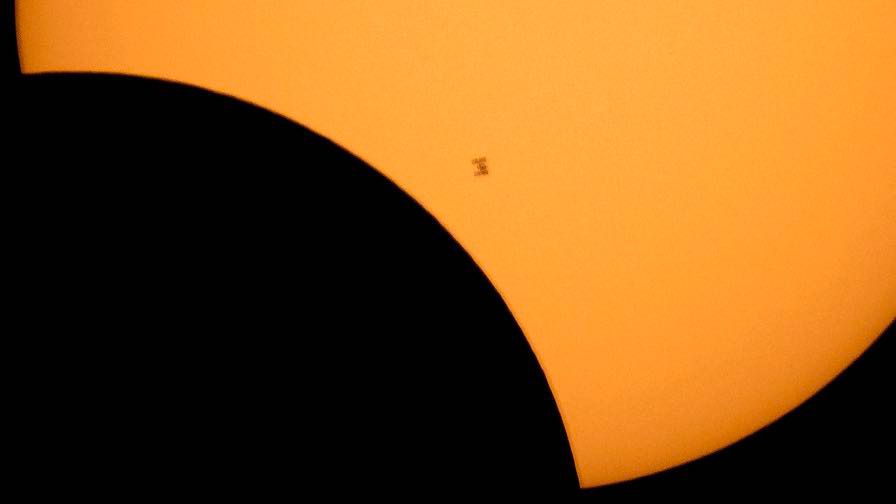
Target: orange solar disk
<point>687,206</point>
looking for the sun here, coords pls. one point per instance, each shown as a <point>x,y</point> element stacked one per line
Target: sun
<point>687,206</point>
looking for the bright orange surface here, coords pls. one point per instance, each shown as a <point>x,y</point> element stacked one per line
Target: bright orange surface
<point>690,207</point>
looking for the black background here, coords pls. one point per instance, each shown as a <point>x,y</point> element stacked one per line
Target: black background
<point>215,301</point>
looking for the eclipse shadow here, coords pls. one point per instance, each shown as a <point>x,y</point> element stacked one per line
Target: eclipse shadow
<point>261,308</point>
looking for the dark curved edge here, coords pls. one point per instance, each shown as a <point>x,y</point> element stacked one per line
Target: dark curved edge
<point>831,443</point>
<point>240,263</point>
<point>255,308</point>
